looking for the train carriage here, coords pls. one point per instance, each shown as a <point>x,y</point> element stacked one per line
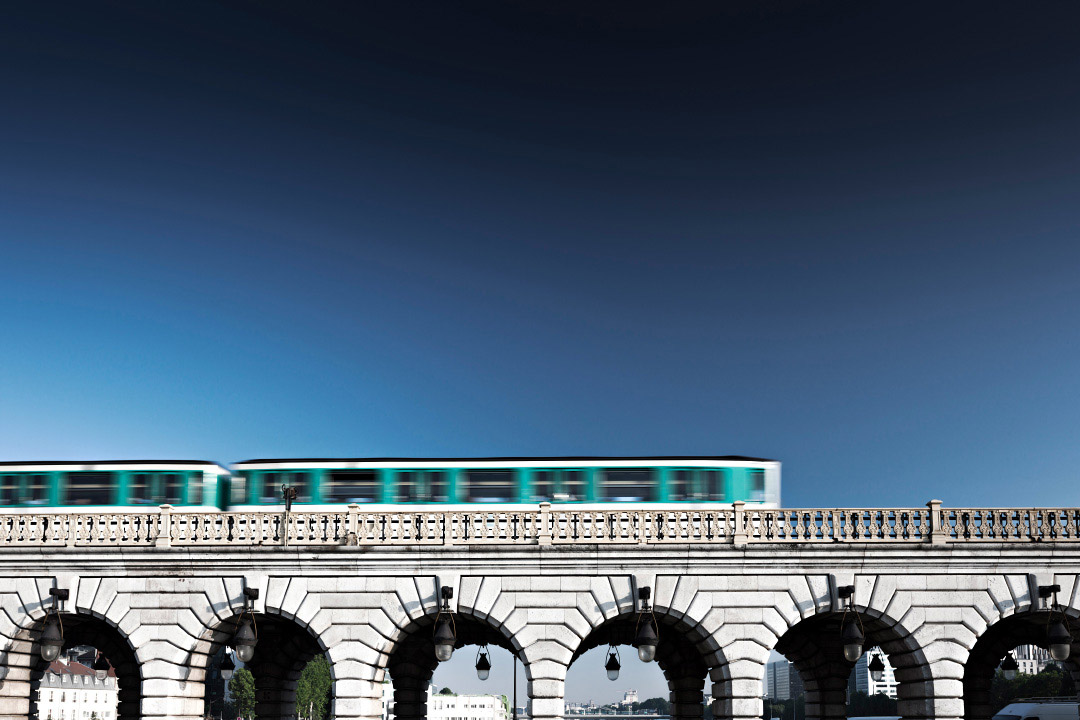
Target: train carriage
<point>592,481</point>
<point>111,484</point>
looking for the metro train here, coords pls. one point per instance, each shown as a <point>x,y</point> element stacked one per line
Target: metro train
<point>591,482</point>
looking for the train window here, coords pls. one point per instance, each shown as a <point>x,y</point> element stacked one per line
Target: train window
<point>352,486</point>
<point>141,488</point>
<point>633,484</point>
<point>173,485</point>
<point>713,484</point>
<point>9,489</point>
<point>238,489</point>
<point>571,486</point>
<point>490,485</point>
<point>438,490</point>
<point>682,485</point>
<point>543,485</point>
<point>37,489</point>
<point>89,488</point>
<point>757,485</point>
<point>272,482</point>
<point>195,489</point>
<point>419,486</point>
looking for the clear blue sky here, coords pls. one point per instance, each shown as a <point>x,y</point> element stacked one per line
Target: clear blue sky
<point>841,236</point>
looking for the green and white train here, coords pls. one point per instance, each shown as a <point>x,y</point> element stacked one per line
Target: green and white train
<point>590,482</point>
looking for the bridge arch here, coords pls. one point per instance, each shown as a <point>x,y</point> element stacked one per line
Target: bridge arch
<point>24,668</point>
<point>815,648</point>
<point>410,659</point>
<point>685,654</point>
<point>285,646</point>
<point>1025,626</point>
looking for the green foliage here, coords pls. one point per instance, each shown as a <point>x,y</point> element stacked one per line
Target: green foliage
<point>313,689</point>
<point>861,704</point>
<point>794,709</point>
<point>446,691</point>
<point>242,687</point>
<point>1051,682</point>
<point>656,705</point>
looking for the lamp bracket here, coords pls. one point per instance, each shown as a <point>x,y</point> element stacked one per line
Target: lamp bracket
<point>845,591</point>
<point>446,592</point>
<point>1046,591</point>
<point>60,593</point>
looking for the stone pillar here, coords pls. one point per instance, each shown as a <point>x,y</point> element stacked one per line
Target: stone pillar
<point>737,688</point>
<point>545,664</point>
<point>16,661</point>
<point>686,695</point>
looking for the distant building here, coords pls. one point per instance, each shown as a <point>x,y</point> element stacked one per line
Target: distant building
<point>71,691</point>
<point>629,697</point>
<point>1032,659</point>
<point>466,707</point>
<point>778,680</point>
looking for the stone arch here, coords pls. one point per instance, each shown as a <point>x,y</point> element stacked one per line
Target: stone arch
<point>107,627</point>
<point>814,647</point>
<point>284,648</point>
<point>684,654</point>
<point>1024,627</point>
<point>23,660</point>
<point>411,662</point>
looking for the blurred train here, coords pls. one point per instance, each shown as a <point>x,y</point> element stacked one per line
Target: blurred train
<point>590,482</point>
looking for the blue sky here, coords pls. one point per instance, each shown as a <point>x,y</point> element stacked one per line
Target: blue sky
<point>842,236</point>
<point>839,237</point>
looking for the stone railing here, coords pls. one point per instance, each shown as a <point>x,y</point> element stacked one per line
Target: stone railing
<point>539,525</point>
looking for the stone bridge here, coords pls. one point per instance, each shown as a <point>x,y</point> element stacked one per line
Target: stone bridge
<point>943,592</point>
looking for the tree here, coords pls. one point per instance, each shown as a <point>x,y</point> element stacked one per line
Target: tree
<point>658,706</point>
<point>313,689</point>
<point>1051,682</point>
<point>446,691</point>
<point>242,688</point>
<point>862,704</point>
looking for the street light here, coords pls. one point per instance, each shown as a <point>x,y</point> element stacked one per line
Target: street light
<point>246,637</point>
<point>483,664</point>
<point>877,668</point>
<point>612,665</point>
<point>52,637</point>
<point>445,628</point>
<point>851,633</point>
<point>1009,666</point>
<point>101,666</point>
<point>646,636</point>
<point>1058,636</point>
<point>227,667</point>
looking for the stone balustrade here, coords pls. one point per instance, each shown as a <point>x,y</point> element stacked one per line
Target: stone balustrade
<point>541,525</point>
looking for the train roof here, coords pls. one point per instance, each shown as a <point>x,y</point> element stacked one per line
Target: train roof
<point>517,459</point>
<point>91,465</point>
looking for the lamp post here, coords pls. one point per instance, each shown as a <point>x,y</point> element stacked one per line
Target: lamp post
<point>101,666</point>
<point>1009,666</point>
<point>52,637</point>
<point>613,665</point>
<point>445,630</point>
<point>483,664</point>
<point>646,636</point>
<point>1058,636</point>
<point>851,633</point>
<point>876,668</point>
<point>246,637</point>
<point>227,667</point>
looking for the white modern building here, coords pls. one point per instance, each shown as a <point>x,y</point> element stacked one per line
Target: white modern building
<point>72,691</point>
<point>466,707</point>
<point>864,683</point>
